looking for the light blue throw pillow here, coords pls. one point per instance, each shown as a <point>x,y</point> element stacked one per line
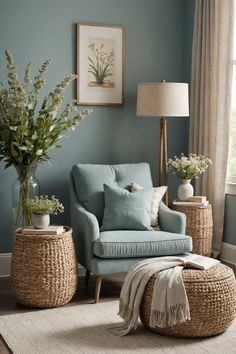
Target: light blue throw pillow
<point>125,210</point>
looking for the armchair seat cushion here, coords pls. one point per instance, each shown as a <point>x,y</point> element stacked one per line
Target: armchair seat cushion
<point>126,243</point>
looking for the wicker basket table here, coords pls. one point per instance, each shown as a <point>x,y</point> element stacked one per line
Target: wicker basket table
<point>212,300</point>
<point>199,227</point>
<point>44,270</point>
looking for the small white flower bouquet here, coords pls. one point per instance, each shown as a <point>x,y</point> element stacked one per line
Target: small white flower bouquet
<point>188,167</point>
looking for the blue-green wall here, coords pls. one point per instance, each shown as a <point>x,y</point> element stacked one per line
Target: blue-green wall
<point>230,220</point>
<point>157,47</point>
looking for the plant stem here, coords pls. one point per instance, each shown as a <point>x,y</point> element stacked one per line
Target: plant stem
<point>24,175</point>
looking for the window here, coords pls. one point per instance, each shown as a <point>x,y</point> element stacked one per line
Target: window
<point>231,168</point>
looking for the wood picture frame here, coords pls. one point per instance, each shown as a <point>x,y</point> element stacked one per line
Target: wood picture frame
<point>100,64</point>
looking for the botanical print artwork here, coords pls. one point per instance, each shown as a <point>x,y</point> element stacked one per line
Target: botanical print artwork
<point>101,63</point>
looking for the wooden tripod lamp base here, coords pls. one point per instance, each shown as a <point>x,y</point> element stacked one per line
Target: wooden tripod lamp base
<point>163,157</point>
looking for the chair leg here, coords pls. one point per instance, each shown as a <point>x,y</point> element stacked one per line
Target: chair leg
<point>98,287</point>
<point>87,275</point>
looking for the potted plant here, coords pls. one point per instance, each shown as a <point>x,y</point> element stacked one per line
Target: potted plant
<point>187,168</point>
<point>30,129</point>
<point>40,208</point>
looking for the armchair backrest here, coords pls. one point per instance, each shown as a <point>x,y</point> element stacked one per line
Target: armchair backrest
<point>89,180</point>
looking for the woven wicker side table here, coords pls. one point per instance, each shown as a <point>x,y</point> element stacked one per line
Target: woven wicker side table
<point>44,270</point>
<point>212,301</point>
<point>199,227</point>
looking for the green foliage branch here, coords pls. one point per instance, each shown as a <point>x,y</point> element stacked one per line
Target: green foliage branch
<point>26,134</point>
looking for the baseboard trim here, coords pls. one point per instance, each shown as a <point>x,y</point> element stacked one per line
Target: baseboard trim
<point>228,253</point>
<point>5,264</point>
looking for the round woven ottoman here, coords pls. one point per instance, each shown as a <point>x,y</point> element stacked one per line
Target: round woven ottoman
<point>212,300</point>
<point>44,270</point>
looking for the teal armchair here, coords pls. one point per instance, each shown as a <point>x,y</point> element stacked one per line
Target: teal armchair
<point>108,252</point>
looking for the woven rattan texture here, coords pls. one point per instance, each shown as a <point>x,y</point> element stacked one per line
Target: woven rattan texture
<point>212,299</point>
<point>199,227</point>
<point>44,270</point>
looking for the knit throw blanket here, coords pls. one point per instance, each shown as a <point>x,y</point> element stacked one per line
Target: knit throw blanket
<point>170,304</point>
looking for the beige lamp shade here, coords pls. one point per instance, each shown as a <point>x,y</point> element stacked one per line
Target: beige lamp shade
<point>162,99</point>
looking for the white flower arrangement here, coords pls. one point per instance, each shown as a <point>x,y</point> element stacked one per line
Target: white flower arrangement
<point>44,205</point>
<point>188,167</point>
<point>28,129</point>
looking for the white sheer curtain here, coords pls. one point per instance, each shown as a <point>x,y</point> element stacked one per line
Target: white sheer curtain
<point>210,100</point>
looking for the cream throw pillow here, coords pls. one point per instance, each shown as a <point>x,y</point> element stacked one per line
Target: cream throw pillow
<point>157,196</point>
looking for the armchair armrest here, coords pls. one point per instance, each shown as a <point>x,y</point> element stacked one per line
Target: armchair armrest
<point>171,221</point>
<point>85,232</point>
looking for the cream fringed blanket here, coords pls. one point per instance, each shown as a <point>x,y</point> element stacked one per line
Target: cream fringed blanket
<point>169,301</point>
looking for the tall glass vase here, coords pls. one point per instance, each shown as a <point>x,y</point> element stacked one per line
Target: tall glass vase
<point>24,187</point>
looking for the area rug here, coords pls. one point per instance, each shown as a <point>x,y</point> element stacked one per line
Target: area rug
<point>84,328</point>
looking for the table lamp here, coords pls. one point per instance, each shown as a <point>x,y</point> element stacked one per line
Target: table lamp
<point>163,99</point>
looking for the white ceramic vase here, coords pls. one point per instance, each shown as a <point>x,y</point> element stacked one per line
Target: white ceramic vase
<point>40,221</point>
<point>185,190</point>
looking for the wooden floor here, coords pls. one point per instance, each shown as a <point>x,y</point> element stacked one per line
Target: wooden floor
<point>110,290</point>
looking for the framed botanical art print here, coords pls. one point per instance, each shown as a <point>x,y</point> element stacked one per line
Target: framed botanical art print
<point>100,64</point>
